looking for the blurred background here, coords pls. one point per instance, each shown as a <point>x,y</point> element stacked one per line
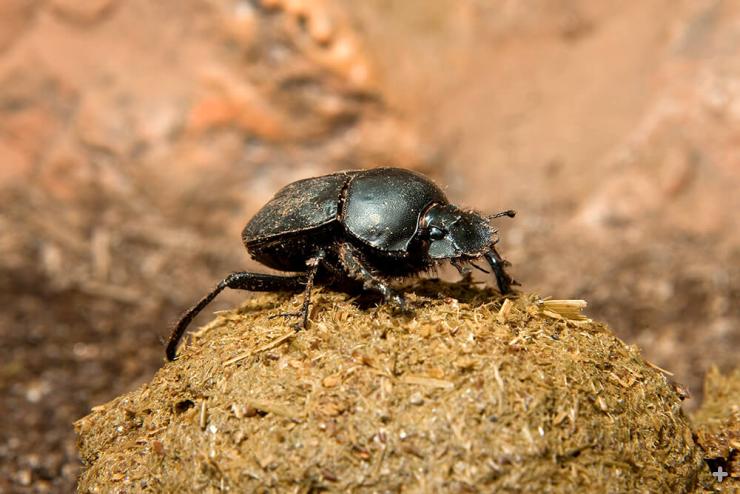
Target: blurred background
<point>138,137</point>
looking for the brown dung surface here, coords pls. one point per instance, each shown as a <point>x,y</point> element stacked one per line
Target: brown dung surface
<point>717,424</point>
<point>465,395</point>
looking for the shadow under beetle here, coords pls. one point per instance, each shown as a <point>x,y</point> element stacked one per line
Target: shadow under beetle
<point>360,228</point>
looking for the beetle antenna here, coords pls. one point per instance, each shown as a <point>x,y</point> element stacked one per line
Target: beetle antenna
<point>509,212</point>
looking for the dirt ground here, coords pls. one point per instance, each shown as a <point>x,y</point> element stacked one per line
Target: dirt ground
<point>137,137</point>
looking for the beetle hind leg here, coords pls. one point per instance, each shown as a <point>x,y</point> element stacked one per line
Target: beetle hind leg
<point>254,282</point>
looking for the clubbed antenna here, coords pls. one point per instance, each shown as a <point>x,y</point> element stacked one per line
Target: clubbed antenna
<point>509,212</point>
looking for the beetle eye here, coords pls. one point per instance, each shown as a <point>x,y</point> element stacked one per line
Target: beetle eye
<point>436,233</point>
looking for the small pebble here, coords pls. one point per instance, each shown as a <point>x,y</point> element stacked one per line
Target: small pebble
<point>331,381</point>
<point>24,477</point>
<point>416,399</point>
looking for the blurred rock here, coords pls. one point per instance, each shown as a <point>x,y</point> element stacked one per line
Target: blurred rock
<point>15,15</point>
<point>236,103</point>
<point>103,123</point>
<point>85,11</point>
<point>17,165</point>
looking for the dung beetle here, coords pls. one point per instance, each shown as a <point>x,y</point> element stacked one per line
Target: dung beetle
<point>357,228</point>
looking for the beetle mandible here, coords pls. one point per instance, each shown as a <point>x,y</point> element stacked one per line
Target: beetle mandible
<point>362,228</point>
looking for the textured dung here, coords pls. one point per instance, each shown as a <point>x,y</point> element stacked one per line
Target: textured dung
<point>464,396</point>
<point>717,424</point>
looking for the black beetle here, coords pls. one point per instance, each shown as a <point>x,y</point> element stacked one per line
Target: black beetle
<point>360,227</point>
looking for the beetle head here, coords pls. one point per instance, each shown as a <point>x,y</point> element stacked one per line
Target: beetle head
<point>456,234</point>
<point>462,236</point>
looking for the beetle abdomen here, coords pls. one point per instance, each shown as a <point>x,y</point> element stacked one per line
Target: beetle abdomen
<point>290,251</point>
<point>297,207</point>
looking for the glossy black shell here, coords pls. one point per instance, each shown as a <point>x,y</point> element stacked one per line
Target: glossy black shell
<point>380,208</point>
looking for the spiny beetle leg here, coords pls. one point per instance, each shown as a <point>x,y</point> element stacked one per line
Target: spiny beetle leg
<point>356,269</point>
<point>254,282</point>
<point>313,267</point>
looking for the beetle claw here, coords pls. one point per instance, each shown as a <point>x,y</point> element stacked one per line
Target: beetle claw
<point>298,313</point>
<point>399,302</point>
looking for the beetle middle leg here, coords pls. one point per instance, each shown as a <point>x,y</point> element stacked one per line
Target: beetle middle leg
<point>313,267</point>
<point>352,262</point>
<point>254,282</point>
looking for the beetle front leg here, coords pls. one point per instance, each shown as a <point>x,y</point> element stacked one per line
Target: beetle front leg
<point>254,282</point>
<point>503,280</point>
<point>356,269</point>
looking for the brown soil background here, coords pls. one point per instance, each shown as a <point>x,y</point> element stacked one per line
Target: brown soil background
<point>137,137</point>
